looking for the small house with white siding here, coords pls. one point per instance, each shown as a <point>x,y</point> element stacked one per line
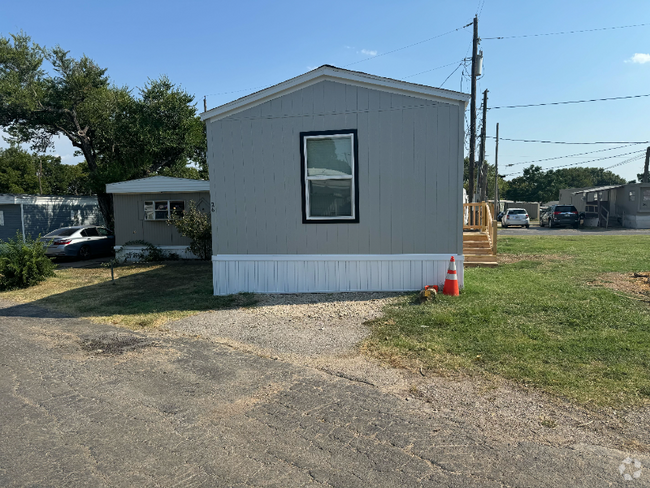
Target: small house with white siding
<point>336,180</point>
<point>34,215</point>
<point>142,208</point>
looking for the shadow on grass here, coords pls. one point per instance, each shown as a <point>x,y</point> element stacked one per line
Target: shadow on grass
<point>137,297</point>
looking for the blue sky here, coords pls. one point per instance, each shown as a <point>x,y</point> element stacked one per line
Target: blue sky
<point>227,49</point>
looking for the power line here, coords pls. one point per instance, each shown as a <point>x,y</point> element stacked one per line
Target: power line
<point>571,101</point>
<point>450,74</point>
<point>361,61</point>
<point>410,45</point>
<point>571,155</point>
<point>638,156</point>
<point>432,69</point>
<point>627,161</point>
<point>564,142</point>
<point>562,32</point>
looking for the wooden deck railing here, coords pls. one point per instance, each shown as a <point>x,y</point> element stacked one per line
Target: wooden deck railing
<point>478,217</point>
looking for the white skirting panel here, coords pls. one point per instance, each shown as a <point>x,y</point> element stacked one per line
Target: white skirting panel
<point>327,273</point>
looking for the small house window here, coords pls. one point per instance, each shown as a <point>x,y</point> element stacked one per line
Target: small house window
<point>632,195</point>
<point>330,186</point>
<point>162,209</point>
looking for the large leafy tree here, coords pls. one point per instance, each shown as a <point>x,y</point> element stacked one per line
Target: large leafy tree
<point>19,173</point>
<point>537,185</point>
<point>120,136</point>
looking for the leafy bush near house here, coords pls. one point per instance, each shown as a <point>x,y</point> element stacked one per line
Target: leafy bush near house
<point>197,226</point>
<point>23,264</point>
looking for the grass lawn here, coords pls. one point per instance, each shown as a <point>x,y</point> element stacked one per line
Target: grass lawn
<point>545,319</point>
<point>143,295</point>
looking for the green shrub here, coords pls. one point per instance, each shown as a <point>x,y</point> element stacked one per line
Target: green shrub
<point>197,226</point>
<point>23,264</point>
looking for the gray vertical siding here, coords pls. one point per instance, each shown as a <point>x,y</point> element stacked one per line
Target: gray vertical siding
<point>131,226</point>
<point>45,215</point>
<point>410,174</point>
<point>12,222</point>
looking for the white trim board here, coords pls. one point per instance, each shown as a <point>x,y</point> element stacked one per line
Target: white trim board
<point>332,73</point>
<point>315,273</point>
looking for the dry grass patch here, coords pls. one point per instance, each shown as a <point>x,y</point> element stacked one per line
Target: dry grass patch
<point>142,295</point>
<point>635,284</point>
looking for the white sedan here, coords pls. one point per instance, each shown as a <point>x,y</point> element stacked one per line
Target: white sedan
<point>515,216</point>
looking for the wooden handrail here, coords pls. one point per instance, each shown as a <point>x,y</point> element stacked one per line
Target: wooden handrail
<point>478,216</point>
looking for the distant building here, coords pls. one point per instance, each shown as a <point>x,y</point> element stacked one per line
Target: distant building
<point>625,205</point>
<point>142,207</point>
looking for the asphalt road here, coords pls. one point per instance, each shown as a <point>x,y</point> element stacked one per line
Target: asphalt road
<point>89,405</point>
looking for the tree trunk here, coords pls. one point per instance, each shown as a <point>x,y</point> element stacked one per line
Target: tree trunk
<point>105,201</point>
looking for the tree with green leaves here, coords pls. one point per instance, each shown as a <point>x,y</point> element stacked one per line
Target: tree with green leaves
<point>19,173</point>
<point>537,185</point>
<point>120,136</point>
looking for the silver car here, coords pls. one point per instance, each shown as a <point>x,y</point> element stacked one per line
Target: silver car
<point>82,241</point>
<point>515,216</point>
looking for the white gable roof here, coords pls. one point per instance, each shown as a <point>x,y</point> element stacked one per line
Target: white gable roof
<point>332,73</point>
<point>158,184</point>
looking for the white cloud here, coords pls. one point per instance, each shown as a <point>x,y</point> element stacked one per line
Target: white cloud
<point>368,52</point>
<point>640,58</point>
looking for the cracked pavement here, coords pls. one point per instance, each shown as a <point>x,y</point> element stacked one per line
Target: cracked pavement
<point>96,405</point>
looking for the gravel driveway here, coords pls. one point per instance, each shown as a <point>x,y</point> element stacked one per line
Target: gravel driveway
<point>306,325</point>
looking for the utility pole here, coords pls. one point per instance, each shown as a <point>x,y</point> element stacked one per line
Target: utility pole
<point>472,116</point>
<point>497,207</point>
<point>40,173</point>
<point>645,167</point>
<point>205,104</point>
<point>482,166</point>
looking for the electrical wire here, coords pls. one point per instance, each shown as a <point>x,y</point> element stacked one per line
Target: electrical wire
<point>410,45</point>
<point>450,74</point>
<point>627,161</point>
<point>432,69</point>
<point>361,61</point>
<point>570,102</point>
<point>634,158</point>
<point>562,32</point>
<point>570,155</point>
<point>563,142</point>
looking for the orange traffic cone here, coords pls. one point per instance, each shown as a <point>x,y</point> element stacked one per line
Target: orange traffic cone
<point>451,282</point>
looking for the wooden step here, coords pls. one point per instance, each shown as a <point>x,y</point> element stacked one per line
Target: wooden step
<point>490,264</point>
<point>475,237</point>
<point>479,258</point>
<point>476,245</point>
<point>479,252</point>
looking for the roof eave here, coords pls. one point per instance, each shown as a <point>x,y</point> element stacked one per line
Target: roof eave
<point>331,73</point>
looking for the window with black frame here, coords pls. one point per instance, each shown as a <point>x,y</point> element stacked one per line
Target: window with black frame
<point>330,186</point>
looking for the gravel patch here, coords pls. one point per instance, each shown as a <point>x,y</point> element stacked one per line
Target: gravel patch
<point>307,325</point>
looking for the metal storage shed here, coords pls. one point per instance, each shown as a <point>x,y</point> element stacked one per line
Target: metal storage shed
<point>34,215</point>
<point>336,180</point>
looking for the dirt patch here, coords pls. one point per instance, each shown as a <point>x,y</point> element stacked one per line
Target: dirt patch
<point>114,344</point>
<point>634,284</point>
<point>515,258</point>
<point>508,412</point>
